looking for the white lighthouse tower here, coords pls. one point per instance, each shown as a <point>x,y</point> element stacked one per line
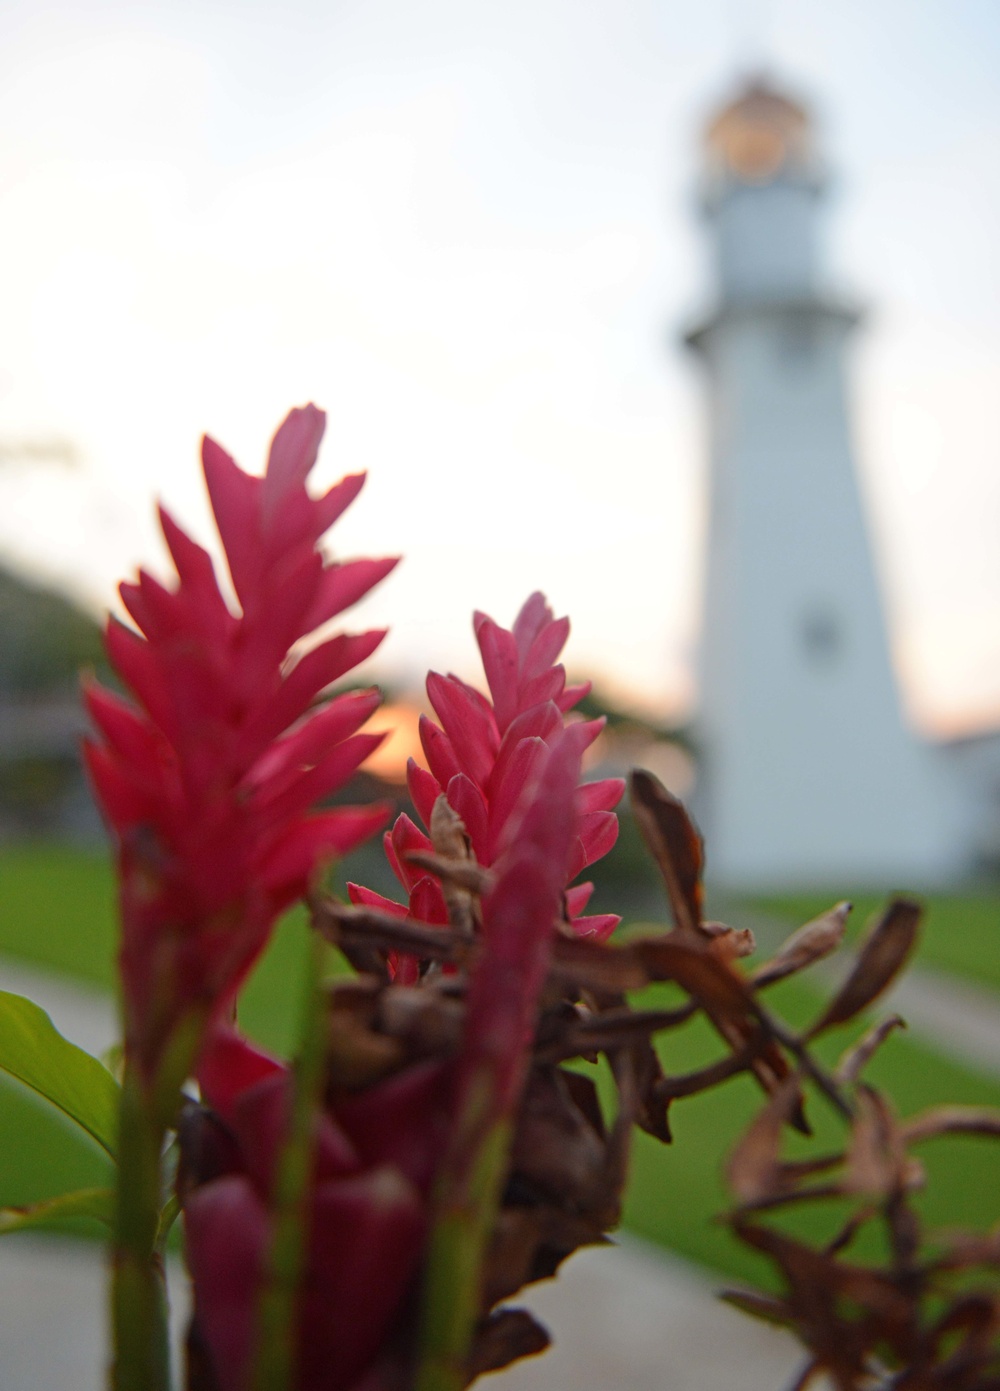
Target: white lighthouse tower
<point>808,774</point>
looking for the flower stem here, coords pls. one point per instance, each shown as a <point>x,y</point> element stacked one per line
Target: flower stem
<point>277,1310</point>
<point>453,1288</point>
<point>138,1300</point>
<point>138,1286</point>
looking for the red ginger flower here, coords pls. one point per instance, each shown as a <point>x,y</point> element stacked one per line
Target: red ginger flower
<point>483,755</point>
<point>209,779</point>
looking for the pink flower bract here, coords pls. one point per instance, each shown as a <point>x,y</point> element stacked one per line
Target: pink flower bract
<point>484,755</point>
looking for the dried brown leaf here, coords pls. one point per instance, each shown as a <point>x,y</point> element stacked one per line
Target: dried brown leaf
<point>714,929</point>
<point>796,1169</point>
<point>609,971</point>
<point>760,1306</point>
<point>582,1035</point>
<point>586,1099</point>
<point>556,1151</point>
<point>977,1316</point>
<point>448,831</point>
<point>875,1157</point>
<point>850,1229</point>
<point>596,966</point>
<point>514,1241</point>
<point>452,849</point>
<point>356,1058</point>
<point>462,874</point>
<point>690,1083</point>
<point>856,1058</point>
<point>691,963</point>
<point>502,1338</point>
<point>351,926</point>
<point>733,943</point>
<point>373,1029</point>
<point>363,953</point>
<point>674,843</point>
<point>879,958</point>
<point>613,969</point>
<point>634,1079</point>
<point>951,1120</point>
<point>652,1101</point>
<point>356,996</point>
<point>966,1249</point>
<point>811,942</point>
<point>723,994</point>
<point>430,1023</point>
<point>529,1244</point>
<point>807,1375</point>
<point>754,1171</point>
<point>816,1279</point>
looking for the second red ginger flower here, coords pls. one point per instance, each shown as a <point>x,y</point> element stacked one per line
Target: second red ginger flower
<point>484,754</point>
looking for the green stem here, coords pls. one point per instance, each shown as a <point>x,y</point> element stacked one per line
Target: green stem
<point>453,1283</point>
<point>138,1287</point>
<point>277,1324</point>
<point>138,1299</point>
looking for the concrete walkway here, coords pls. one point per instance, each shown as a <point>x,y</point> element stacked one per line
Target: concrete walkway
<point>53,1314</point>
<point>620,1317</point>
<point>628,1316</point>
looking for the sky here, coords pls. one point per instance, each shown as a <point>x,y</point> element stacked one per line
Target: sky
<point>469,232</point>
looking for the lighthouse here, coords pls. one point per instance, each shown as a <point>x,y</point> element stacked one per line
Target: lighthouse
<point>808,775</point>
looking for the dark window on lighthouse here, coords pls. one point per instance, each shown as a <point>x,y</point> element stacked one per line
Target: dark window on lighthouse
<point>821,637</point>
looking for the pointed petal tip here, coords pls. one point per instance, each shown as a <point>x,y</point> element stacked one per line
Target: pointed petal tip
<point>213,453</point>
<point>336,500</point>
<point>291,457</point>
<point>117,628</point>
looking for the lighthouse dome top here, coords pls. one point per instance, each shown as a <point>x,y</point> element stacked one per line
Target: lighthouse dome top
<point>760,136</point>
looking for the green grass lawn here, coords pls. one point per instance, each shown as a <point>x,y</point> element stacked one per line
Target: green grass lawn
<point>961,933</point>
<point>56,910</point>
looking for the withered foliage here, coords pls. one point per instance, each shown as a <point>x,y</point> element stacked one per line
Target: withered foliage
<point>915,1323</point>
<point>924,1319</point>
<point>919,1321</point>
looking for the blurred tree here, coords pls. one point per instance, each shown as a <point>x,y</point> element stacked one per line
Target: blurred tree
<point>44,640</point>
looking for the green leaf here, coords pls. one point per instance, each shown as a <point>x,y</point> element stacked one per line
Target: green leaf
<point>37,1055</point>
<point>97,1203</point>
<point>169,1214</point>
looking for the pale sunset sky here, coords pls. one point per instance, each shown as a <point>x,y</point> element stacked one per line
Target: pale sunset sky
<point>469,232</point>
